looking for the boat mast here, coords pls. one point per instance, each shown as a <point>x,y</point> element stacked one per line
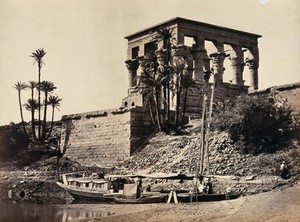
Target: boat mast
<point>208,122</point>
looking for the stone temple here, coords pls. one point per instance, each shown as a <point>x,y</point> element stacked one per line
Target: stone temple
<point>108,137</point>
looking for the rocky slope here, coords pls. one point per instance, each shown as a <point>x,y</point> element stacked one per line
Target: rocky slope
<point>226,166</point>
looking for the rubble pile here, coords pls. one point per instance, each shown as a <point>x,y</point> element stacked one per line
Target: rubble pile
<point>172,154</point>
<point>225,164</point>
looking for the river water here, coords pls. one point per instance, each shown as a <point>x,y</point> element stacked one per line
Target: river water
<point>28,212</point>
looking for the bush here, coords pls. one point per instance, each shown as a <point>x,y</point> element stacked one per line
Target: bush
<point>12,141</point>
<point>258,124</point>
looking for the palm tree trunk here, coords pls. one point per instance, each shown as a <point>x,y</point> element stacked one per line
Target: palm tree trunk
<point>178,87</point>
<point>39,98</point>
<point>151,112</point>
<point>21,113</point>
<point>32,119</point>
<point>33,125</point>
<point>165,103</point>
<point>184,105</point>
<point>45,118</point>
<point>157,110</point>
<point>52,121</point>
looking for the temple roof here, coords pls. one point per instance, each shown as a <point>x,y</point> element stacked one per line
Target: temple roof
<point>179,20</point>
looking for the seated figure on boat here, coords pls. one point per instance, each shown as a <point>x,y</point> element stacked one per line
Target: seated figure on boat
<point>208,187</point>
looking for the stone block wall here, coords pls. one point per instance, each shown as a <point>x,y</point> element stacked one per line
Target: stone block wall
<point>134,98</point>
<point>104,138</point>
<point>222,92</point>
<point>290,92</point>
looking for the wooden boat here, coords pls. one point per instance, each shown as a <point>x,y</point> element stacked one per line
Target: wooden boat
<point>132,191</point>
<point>87,188</point>
<point>80,193</point>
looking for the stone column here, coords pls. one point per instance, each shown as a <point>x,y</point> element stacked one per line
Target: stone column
<point>253,64</point>
<point>183,52</point>
<point>218,67</point>
<point>253,67</point>
<point>218,62</point>
<point>180,51</point>
<point>132,66</point>
<point>237,64</point>
<point>199,54</point>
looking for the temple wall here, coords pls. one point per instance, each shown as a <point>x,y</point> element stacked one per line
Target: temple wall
<point>290,92</point>
<point>104,137</point>
<point>223,92</point>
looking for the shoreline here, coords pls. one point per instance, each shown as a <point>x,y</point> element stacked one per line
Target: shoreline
<point>280,205</point>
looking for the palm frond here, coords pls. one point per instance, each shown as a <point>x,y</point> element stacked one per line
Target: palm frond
<point>54,101</point>
<point>31,104</point>
<point>20,86</point>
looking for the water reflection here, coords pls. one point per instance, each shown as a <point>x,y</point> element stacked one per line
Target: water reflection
<point>25,212</point>
<point>64,215</point>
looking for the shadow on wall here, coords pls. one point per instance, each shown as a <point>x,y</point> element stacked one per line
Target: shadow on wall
<point>69,126</point>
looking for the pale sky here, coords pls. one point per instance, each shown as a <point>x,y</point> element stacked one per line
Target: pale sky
<point>86,49</point>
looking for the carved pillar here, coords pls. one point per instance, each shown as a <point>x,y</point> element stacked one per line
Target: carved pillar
<point>218,62</point>
<point>179,51</point>
<point>237,64</point>
<point>132,66</point>
<point>253,67</point>
<point>253,64</point>
<point>182,60</point>
<point>218,67</point>
<point>200,58</point>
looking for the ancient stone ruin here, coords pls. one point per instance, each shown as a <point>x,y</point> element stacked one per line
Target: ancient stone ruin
<point>108,137</point>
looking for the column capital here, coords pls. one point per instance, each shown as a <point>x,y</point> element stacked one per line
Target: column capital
<point>199,54</point>
<point>218,57</point>
<point>180,50</point>
<point>218,67</point>
<point>251,63</point>
<point>236,61</point>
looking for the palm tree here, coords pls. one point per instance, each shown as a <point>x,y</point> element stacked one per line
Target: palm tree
<point>179,65</point>
<point>54,101</point>
<point>19,86</point>
<point>46,87</point>
<point>187,81</point>
<point>166,35</point>
<point>33,104</point>
<point>38,58</point>
<point>149,85</point>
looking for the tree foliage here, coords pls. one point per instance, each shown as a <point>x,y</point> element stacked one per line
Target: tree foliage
<point>257,124</point>
<point>162,74</point>
<point>12,141</point>
<point>45,97</point>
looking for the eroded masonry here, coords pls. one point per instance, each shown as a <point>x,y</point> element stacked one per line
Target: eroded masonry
<point>108,137</point>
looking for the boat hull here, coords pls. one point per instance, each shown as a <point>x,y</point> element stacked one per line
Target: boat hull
<point>184,198</point>
<point>80,194</point>
<point>142,200</point>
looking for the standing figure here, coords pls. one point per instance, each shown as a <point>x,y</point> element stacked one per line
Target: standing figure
<point>284,172</point>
